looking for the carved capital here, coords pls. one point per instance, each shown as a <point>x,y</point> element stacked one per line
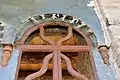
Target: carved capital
<point>7,50</point>
<point>103,49</point>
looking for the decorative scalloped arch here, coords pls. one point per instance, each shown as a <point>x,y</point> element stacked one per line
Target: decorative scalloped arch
<point>37,19</point>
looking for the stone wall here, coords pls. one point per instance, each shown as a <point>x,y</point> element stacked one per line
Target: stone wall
<point>109,14</point>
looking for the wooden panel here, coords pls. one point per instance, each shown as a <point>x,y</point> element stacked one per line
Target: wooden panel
<point>84,65</point>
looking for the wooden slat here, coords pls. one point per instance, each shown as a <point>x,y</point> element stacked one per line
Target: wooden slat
<point>31,66</point>
<point>49,48</point>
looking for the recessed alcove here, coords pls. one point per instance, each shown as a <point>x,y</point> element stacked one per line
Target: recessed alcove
<point>32,61</point>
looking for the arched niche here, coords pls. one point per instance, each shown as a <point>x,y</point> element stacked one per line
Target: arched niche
<point>35,48</point>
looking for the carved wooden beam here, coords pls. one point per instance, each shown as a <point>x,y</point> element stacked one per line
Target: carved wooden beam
<point>7,50</point>
<point>103,49</point>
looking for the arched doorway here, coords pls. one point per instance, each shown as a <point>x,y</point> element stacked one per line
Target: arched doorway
<point>56,42</point>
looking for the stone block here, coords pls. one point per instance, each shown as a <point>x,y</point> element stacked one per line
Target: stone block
<point>109,2</point>
<point>119,70</point>
<point>114,31</point>
<point>118,60</point>
<point>115,39</point>
<point>111,9</point>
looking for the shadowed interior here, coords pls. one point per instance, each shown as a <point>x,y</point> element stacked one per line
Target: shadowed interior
<point>32,61</point>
